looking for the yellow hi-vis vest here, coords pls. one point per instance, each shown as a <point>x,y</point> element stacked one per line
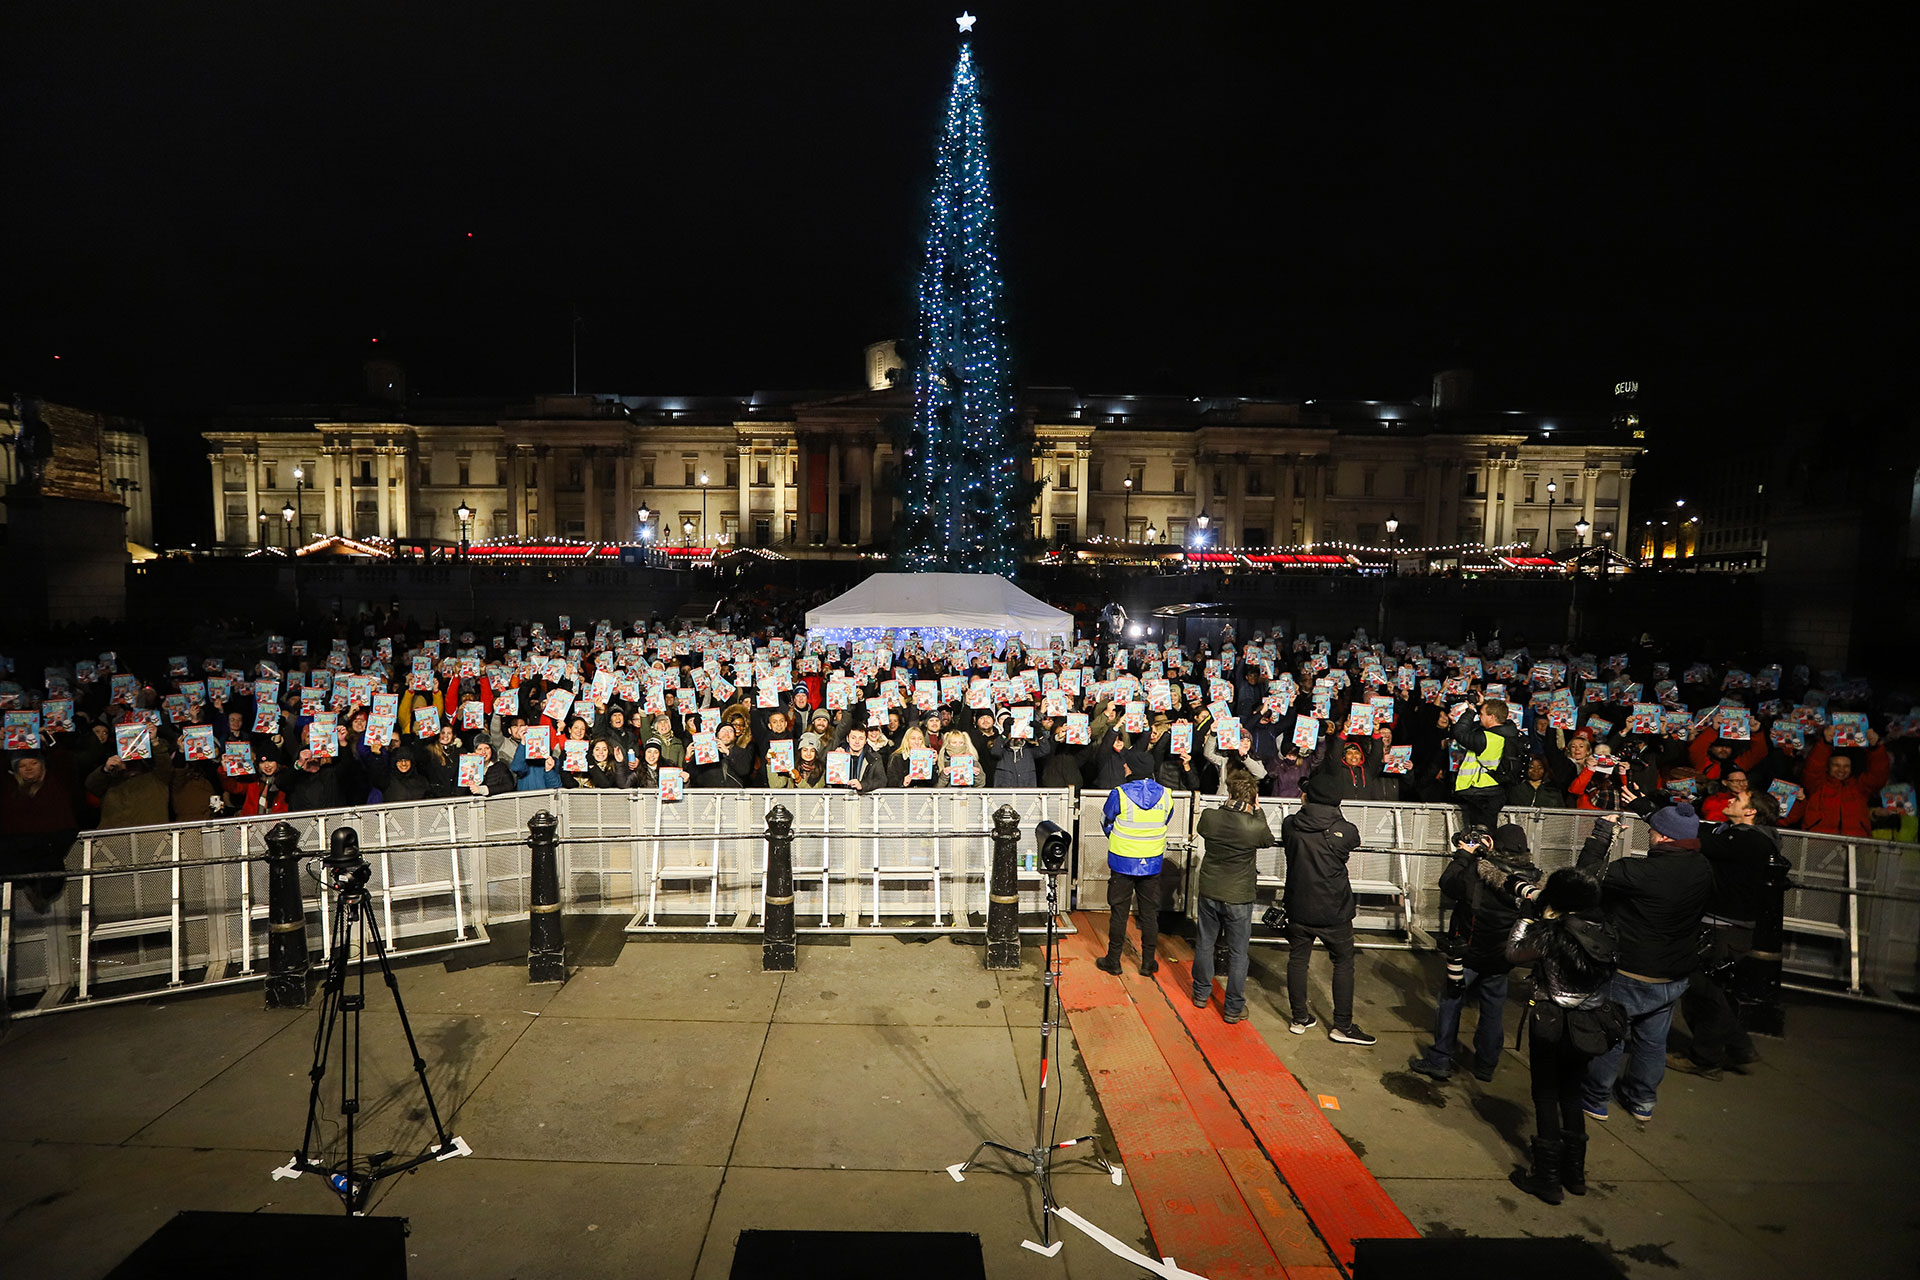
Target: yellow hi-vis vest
<point>1477,768</point>
<point>1141,834</point>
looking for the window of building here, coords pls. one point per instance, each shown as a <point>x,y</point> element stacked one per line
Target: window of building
<point>1366,533</point>
<point>762,528</point>
<point>1410,481</point>
<point>760,470</point>
<point>1219,482</point>
<point>466,473</point>
<point>1293,534</point>
<point>1063,531</point>
<point>575,475</point>
<point>1299,483</point>
<point>1532,481</point>
<point>1179,479</point>
<point>1100,476</point>
<point>269,477</point>
<point>690,469</point>
<point>1332,474</point>
<point>1177,532</point>
<point>1136,528</point>
<point>1255,485</point>
<point>1366,482</point>
<point>366,472</point>
<point>733,473</point>
<point>1063,473</point>
<point>1138,472</point>
<point>646,472</point>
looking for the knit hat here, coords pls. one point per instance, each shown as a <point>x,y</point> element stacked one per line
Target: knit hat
<point>1139,764</point>
<point>810,740</point>
<point>1322,789</point>
<point>1676,822</point>
<point>655,743</point>
<point>1511,839</point>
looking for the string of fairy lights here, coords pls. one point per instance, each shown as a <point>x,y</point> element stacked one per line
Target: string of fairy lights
<point>958,491</point>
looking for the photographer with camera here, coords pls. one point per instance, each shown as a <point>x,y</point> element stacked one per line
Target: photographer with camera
<point>1492,754</point>
<point>1229,877</point>
<point>1476,948</point>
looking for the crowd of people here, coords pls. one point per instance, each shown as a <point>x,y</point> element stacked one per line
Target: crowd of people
<point>1715,758</point>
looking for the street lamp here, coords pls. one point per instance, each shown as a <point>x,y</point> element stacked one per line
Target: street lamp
<point>464,514</point>
<point>1581,528</point>
<point>286,514</point>
<point>1153,534</point>
<point>645,533</point>
<point>1552,489</point>
<point>703,505</point>
<point>1393,528</point>
<point>1126,510</point>
<point>263,526</point>
<point>299,488</point>
<point>686,528</point>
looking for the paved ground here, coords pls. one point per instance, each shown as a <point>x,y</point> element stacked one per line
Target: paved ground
<point>636,1119</point>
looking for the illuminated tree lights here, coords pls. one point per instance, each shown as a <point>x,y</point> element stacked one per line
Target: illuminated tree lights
<point>963,494</point>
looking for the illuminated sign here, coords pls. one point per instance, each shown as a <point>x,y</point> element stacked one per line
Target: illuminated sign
<point>1626,388</point>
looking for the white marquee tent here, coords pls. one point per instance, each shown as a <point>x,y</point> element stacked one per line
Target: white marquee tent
<point>936,605</point>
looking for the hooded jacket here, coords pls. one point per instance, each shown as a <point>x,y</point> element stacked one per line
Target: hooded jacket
<point>1145,793</point>
<point>1318,841</point>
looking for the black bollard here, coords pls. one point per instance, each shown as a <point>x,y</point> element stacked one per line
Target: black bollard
<point>286,921</point>
<point>778,951</point>
<point>1757,975</point>
<point>1003,891</point>
<point>546,947</point>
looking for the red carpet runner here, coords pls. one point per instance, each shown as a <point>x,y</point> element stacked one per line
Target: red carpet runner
<point>1204,1114</point>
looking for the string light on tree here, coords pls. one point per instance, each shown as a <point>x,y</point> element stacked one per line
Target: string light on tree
<point>963,494</point>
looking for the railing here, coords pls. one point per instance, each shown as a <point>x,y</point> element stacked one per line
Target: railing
<point>184,906</point>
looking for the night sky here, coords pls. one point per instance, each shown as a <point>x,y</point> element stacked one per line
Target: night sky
<point>217,206</point>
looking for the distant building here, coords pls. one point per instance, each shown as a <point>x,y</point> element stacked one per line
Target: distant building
<point>808,471</point>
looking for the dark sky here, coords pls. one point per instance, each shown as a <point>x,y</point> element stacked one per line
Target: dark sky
<point>214,205</point>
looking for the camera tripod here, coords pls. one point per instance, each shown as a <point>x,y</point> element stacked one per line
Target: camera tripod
<point>355,928</point>
<point>1039,1158</point>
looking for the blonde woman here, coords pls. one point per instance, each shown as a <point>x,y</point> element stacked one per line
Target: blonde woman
<point>958,743</point>
<point>911,739</point>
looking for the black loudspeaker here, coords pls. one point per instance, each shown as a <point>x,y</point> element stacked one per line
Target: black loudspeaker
<point>286,1246</point>
<point>858,1255</point>
<point>1458,1258</point>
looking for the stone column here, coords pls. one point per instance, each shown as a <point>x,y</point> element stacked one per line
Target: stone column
<point>1489,485</point>
<point>217,463</point>
<point>782,458</point>
<point>624,507</point>
<point>1435,477</point>
<point>1316,499</point>
<point>803,486</point>
<point>1046,497</point>
<point>543,520</point>
<point>329,493</point>
<point>383,496</point>
<point>1080,471</point>
<point>1589,481</point>
<point>1621,522</point>
<point>590,493</point>
<point>1510,516</point>
<point>1283,501</point>
<point>864,461</point>
<point>833,491</point>
<point>252,456</point>
<point>403,493</point>
<point>1237,502</point>
<point>743,452</point>
<point>516,490</point>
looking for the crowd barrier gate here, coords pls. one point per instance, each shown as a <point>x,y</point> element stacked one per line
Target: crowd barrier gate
<point>145,919</point>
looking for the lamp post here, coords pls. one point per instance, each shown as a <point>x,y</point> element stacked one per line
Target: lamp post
<point>703,506</point>
<point>1393,528</point>
<point>641,530</point>
<point>263,528</point>
<point>464,514</point>
<point>686,529</point>
<point>299,504</point>
<point>1126,508</point>
<point>286,514</point>
<point>1552,489</point>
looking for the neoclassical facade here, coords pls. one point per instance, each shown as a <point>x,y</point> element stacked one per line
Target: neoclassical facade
<point>811,475</point>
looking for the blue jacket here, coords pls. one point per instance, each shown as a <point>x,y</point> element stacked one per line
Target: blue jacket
<point>534,777</point>
<point>1145,793</point>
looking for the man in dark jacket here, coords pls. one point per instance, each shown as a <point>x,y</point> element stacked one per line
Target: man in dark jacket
<point>1656,904</point>
<point>1320,904</point>
<point>1353,767</point>
<point>1229,878</point>
<point>1743,852</point>
<point>1476,949</point>
<point>1488,740</point>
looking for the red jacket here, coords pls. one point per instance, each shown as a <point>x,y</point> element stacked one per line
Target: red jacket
<point>1743,760</point>
<point>1840,808</point>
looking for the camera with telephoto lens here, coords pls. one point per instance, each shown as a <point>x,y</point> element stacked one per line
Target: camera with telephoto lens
<point>343,866</point>
<point>1055,846</point>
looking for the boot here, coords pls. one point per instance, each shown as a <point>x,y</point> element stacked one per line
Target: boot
<point>1543,1180</point>
<point>1108,964</point>
<point>1148,965</point>
<point>1573,1163</point>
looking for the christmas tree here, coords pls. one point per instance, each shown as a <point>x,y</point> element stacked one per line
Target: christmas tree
<point>963,496</point>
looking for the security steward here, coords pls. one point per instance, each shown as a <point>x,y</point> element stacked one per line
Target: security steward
<point>1488,738</point>
<point>1135,820</point>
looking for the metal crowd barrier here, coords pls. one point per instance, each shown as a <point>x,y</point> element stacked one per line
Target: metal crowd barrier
<point>142,918</point>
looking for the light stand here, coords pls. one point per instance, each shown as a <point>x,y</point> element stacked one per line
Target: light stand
<point>1055,844</point>
<point>354,923</point>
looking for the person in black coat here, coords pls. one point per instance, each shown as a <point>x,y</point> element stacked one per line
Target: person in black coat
<point>733,768</point>
<point>1320,904</point>
<point>1476,949</point>
<point>1536,790</point>
<point>1744,853</point>
<point>498,779</point>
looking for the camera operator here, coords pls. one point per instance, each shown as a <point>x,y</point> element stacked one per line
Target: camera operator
<point>1744,852</point>
<point>1492,751</point>
<point>1476,947</point>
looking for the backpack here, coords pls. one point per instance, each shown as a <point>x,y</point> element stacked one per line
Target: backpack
<point>1513,763</point>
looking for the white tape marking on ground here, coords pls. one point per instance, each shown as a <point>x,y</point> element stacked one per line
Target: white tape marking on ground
<point>1166,1268</point>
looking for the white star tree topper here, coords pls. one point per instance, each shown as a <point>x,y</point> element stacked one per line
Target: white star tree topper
<point>965,22</point>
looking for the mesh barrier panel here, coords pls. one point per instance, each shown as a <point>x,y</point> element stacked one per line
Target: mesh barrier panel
<point>909,859</point>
